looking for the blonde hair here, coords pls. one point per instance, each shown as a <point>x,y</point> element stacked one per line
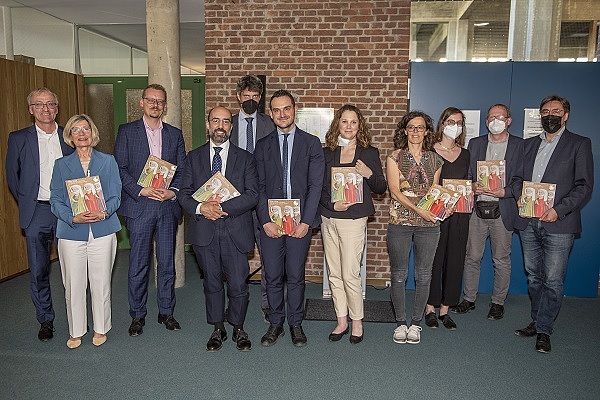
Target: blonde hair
<point>75,119</point>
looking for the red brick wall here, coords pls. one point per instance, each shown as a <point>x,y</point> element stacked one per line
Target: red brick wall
<point>327,53</point>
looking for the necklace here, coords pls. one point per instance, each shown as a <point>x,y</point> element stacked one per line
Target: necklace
<point>444,147</point>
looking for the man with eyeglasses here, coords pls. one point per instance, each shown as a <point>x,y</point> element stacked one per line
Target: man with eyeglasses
<point>248,127</point>
<point>565,159</point>
<point>151,214</point>
<point>497,221</point>
<point>29,163</point>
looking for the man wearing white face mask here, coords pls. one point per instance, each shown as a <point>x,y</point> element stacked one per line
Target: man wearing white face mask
<point>498,222</point>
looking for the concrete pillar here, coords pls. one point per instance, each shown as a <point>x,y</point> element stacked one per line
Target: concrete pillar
<point>162,32</point>
<point>534,31</point>
<point>8,33</point>
<point>457,40</point>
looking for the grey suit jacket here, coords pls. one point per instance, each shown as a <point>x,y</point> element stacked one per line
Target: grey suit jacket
<point>264,126</point>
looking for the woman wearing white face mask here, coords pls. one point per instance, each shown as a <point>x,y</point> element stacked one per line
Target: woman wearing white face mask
<point>446,277</point>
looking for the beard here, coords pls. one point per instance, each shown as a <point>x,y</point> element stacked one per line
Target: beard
<point>219,139</point>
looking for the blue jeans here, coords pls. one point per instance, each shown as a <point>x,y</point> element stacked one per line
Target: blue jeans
<point>399,240</point>
<point>545,256</point>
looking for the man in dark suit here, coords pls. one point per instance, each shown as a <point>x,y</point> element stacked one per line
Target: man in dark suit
<point>497,145</point>
<point>150,213</point>
<point>253,126</point>
<point>563,158</point>
<point>290,165</point>
<point>29,162</point>
<point>222,234</point>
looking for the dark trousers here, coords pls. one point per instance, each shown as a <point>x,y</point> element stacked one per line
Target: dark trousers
<point>39,236</point>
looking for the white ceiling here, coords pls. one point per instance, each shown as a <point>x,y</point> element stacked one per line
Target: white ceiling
<point>125,22</point>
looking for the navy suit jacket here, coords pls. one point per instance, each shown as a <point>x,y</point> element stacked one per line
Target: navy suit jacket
<point>69,167</point>
<point>241,173</point>
<point>264,126</point>
<point>306,175</point>
<point>514,169</point>
<point>23,169</point>
<point>132,151</point>
<point>571,168</point>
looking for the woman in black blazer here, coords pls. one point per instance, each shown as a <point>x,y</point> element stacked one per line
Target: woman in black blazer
<point>345,215</point>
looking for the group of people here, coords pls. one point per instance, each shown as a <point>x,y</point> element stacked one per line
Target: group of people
<point>268,157</point>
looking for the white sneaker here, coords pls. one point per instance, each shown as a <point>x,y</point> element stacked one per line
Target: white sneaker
<point>413,336</point>
<point>400,334</point>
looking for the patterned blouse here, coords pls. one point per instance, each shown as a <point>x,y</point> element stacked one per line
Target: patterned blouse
<point>415,181</point>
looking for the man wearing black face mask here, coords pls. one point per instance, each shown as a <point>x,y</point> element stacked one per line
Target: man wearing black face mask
<point>563,158</point>
<point>247,128</point>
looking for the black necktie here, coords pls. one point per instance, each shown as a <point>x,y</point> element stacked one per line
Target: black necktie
<point>217,162</point>
<point>249,135</point>
<point>285,164</point>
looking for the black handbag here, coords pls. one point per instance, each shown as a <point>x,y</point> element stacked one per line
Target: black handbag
<point>487,209</point>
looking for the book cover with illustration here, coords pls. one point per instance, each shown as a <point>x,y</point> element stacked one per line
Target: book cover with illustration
<point>157,173</point>
<point>437,200</point>
<point>285,213</point>
<point>536,199</point>
<point>491,174</point>
<point>85,194</point>
<point>346,185</point>
<point>464,187</point>
<point>216,188</point>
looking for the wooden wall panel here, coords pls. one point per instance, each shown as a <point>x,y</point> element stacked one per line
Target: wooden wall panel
<point>18,79</point>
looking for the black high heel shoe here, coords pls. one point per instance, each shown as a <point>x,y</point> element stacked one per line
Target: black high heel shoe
<point>336,337</point>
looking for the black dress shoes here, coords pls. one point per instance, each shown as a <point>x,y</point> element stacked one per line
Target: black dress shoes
<point>273,333</point>
<point>356,339</point>
<point>242,343</point>
<point>169,321</point>
<point>431,320</point>
<point>542,344</point>
<point>298,336</point>
<point>136,327</point>
<point>496,312</point>
<point>46,331</point>
<point>215,342</point>
<point>336,337</point>
<point>463,307</point>
<point>528,331</point>
<point>448,322</point>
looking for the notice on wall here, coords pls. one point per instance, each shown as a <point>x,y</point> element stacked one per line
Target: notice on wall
<point>532,125</point>
<point>472,124</point>
<point>315,121</point>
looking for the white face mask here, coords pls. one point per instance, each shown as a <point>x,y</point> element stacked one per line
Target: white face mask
<point>452,131</point>
<point>342,142</point>
<point>496,126</point>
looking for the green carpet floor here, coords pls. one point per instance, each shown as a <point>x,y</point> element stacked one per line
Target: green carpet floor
<point>480,360</point>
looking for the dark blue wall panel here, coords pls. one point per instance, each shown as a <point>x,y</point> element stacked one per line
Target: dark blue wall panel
<point>471,86</point>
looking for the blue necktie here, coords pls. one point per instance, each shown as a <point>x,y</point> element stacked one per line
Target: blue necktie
<point>217,162</point>
<point>285,165</point>
<point>249,135</point>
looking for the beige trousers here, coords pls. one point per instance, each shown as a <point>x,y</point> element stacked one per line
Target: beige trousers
<point>79,261</point>
<point>343,241</point>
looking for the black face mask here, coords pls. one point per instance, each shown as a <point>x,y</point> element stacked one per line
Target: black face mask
<point>250,106</point>
<point>551,123</point>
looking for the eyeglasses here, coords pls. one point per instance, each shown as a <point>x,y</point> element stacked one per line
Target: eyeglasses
<point>452,122</point>
<point>155,102</point>
<point>490,118</point>
<point>218,120</point>
<point>418,128</point>
<point>83,130</point>
<point>49,106</point>
<point>556,111</point>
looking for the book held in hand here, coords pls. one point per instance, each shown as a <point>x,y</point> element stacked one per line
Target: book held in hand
<point>491,174</point>
<point>437,200</point>
<point>464,187</point>
<point>216,188</point>
<point>285,213</point>
<point>536,199</point>
<point>85,194</point>
<point>157,173</point>
<point>346,185</point>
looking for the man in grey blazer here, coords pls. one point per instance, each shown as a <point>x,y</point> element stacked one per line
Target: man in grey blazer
<point>248,127</point>
<point>497,145</point>
<point>563,158</point>
<point>29,164</point>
